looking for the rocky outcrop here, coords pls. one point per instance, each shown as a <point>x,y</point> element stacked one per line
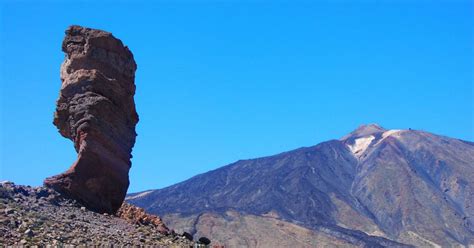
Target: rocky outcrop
<point>138,216</point>
<point>96,110</point>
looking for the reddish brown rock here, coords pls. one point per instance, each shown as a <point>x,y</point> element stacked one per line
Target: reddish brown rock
<point>96,110</point>
<point>136,215</point>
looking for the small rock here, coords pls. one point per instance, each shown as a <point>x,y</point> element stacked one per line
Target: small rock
<point>83,208</point>
<point>23,241</point>
<point>9,211</point>
<point>13,224</point>
<point>23,226</point>
<point>29,233</point>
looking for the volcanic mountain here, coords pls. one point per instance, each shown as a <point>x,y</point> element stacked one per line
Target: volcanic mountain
<point>374,188</point>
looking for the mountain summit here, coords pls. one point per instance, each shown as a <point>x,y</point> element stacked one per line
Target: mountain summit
<point>373,187</point>
<point>365,130</point>
<point>367,136</point>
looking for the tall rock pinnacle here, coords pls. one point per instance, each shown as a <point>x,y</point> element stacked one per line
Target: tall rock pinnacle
<point>96,110</point>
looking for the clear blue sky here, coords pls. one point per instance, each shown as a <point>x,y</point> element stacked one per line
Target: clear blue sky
<point>219,81</point>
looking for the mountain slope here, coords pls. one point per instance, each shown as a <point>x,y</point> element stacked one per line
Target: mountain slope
<point>373,185</point>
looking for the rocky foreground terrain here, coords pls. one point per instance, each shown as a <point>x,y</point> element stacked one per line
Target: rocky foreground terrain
<point>41,216</point>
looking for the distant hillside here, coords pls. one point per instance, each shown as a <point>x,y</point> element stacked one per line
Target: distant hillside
<point>373,187</point>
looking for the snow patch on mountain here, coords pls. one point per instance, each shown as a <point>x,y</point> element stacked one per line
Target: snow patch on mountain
<point>360,145</point>
<point>390,132</point>
<point>394,132</point>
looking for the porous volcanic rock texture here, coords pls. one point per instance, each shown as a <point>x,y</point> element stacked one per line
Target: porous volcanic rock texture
<point>96,110</point>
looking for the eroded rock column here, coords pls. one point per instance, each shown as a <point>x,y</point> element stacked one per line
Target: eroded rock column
<point>96,110</point>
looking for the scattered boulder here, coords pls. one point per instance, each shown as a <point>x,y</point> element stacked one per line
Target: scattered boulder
<point>96,110</point>
<point>188,236</point>
<point>204,241</point>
